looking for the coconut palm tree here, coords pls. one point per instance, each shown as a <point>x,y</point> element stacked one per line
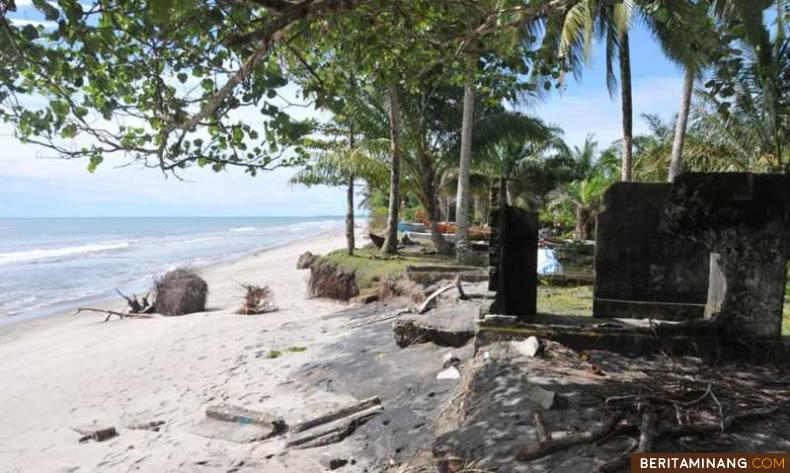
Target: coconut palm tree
<point>747,104</point>
<point>610,22</point>
<point>340,161</point>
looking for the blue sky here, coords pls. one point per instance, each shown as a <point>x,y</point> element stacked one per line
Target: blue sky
<point>32,185</point>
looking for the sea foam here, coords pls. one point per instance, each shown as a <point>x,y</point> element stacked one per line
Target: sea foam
<point>29,256</point>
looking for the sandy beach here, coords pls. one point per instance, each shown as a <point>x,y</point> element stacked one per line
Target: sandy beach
<point>65,371</point>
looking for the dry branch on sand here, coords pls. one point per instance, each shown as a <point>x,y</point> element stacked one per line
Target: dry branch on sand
<point>179,292</point>
<point>257,300</point>
<point>328,280</point>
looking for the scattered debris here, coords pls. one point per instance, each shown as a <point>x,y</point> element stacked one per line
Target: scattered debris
<point>333,463</point>
<point>432,298</point>
<point>528,347</point>
<point>337,414</point>
<point>95,433</point>
<point>257,300</point>
<point>334,426</point>
<point>450,360</point>
<point>180,292</point>
<point>153,425</point>
<point>305,260</point>
<point>449,373</point>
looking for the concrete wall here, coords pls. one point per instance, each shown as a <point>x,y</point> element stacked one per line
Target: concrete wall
<point>640,271</point>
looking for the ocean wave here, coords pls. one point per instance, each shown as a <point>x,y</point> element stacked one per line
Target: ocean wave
<point>28,256</point>
<point>199,240</point>
<point>242,229</point>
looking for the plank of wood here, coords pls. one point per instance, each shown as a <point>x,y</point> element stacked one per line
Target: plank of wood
<point>332,432</point>
<point>336,414</point>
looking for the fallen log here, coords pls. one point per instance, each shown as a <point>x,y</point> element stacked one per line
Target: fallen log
<point>334,431</point>
<point>337,414</point>
<point>555,445</point>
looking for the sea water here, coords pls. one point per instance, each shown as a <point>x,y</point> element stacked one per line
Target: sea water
<point>49,265</point>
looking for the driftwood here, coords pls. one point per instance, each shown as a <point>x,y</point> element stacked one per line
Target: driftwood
<point>554,445</point>
<point>430,299</point>
<point>110,313</point>
<point>141,306</point>
<point>97,434</point>
<point>337,414</point>
<point>333,432</point>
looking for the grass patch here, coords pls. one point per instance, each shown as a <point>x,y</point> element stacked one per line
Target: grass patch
<point>371,267</point>
<point>565,300</point>
<point>274,354</point>
<point>297,349</point>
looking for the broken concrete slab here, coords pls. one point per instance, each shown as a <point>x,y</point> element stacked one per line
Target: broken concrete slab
<point>447,326</point>
<point>239,424</point>
<point>232,432</point>
<point>243,415</point>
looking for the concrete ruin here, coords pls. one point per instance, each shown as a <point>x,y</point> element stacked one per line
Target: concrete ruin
<point>513,257</point>
<point>640,271</point>
<point>708,245</point>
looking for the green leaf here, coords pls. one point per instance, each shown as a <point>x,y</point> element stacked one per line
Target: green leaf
<point>94,163</point>
<point>182,77</point>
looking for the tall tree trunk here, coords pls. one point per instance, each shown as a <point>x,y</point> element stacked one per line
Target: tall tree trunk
<point>441,245</point>
<point>350,215</point>
<point>390,245</point>
<point>462,247</point>
<point>350,243</point>
<point>583,229</point>
<point>627,106</point>
<point>676,161</point>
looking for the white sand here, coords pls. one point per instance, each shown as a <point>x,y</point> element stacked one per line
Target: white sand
<point>65,371</point>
